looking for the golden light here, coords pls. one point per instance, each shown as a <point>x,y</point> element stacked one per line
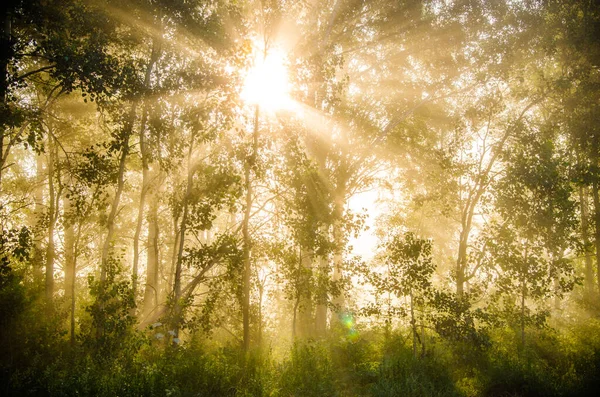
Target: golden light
<point>266,83</point>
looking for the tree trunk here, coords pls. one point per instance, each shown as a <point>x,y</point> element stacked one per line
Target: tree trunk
<point>250,162</point>
<point>463,244</point>
<point>5,56</point>
<point>321,311</point>
<point>589,269</point>
<point>174,252</point>
<point>38,213</point>
<point>423,348</point>
<point>461,263</point>
<point>177,308</point>
<point>110,222</point>
<point>523,295</point>
<point>138,226</point>
<point>177,304</point>
<point>51,223</point>
<point>69,247</point>
<point>306,308</point>
<point>597,227</point>
<point>70,265</point>
<point>413,325</point>
<point>294,333</point>
<point>145,160</point>
<point>151,298</point>
<point>247,269</point>
<point>338,240</point>
<point>261,291</point>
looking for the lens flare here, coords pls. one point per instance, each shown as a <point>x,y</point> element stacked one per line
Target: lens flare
<point>348,322</point>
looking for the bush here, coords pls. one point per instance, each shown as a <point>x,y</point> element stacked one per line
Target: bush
<point>400,374</point>
<point>308,372</point>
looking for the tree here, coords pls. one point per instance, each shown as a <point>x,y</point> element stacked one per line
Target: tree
<point>528,245</point>
<point>574,89</point>
<point>407,270</point>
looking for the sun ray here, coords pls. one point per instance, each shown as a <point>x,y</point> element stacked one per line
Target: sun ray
<point>267,84</point>
<point>146,25</point>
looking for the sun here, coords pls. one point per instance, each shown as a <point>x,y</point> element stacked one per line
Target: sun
<point>267,84</point>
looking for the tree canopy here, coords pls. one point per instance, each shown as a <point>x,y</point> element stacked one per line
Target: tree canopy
<point>333,197</point>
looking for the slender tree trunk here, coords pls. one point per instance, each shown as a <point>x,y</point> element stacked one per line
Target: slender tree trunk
<point>463,244</point>
<point>69,268</point>
<point>306,308</point>
<point>51,223</point>
<point>321,311</point>
<point>69,248</point>
<point>317,155</point>
<point>138,226</point>
<point>174,253</point>
<point>250,162</point>
<point>461,265</point>
<point>110,222</point>
<point>413,325</point>
<point>177,308</point>
<point>70,265</point>
<point>145,159</point>
<point>296,304</point>
<point>597,227</point>
<point>261,290</point>
<point>177,304</point>
<point>338,239</point>
<point>589,269</point>
<point>523,295</point>
<point>422,339</point>
<point>5,56</point>
<point>247,264</point>
<point>151,298</point>
<point>38,213</point>
<point>72,309</point>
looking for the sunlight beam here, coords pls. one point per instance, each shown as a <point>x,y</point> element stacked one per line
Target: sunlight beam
<point>267,84</point>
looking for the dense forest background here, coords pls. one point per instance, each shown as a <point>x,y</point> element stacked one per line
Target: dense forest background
<point>412,209</point>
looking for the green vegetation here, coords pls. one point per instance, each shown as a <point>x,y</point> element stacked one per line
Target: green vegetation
<point>372,364</point>
<point>299,198</point>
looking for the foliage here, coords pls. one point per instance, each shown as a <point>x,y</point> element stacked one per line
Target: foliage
<point>110,331</point>
<point>402,374</point>
<point>226,244</point>
<point>308,372</point>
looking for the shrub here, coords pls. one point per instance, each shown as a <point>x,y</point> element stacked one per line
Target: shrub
<point>308,372</point>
